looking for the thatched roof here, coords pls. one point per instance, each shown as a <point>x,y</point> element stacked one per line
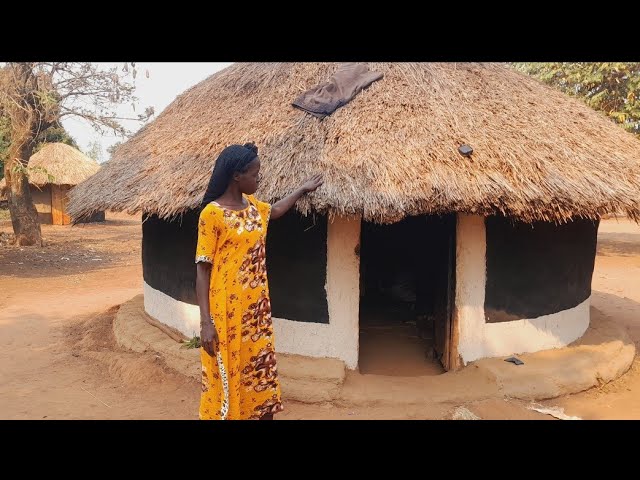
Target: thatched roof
<point>67,166</point>
<point>391,152</point>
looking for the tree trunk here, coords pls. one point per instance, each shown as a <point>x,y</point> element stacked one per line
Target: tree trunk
<point>26,116</point>
<point>24,216</point>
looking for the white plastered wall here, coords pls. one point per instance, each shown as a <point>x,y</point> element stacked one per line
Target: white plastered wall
<point>478,339</point>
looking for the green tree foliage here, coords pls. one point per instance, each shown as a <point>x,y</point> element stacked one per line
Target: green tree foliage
<point>610,87</point>
<point>94,151</point>
<point>54,134</point>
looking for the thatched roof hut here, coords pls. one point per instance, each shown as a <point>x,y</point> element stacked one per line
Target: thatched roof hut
<point>66,166</point>
<point>54,170</point>
<point>507,234</point>
<point>538,154</point>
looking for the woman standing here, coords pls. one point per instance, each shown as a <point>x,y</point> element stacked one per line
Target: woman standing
<point>239,376</point>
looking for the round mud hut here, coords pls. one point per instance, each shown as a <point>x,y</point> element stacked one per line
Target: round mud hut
<point>460,207</point>
<point>54,170</point>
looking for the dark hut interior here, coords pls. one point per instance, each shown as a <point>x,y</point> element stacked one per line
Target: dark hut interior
<point>405,274</point>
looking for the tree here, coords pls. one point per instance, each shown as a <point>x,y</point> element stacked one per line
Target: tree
<point>36,96</point>
<point>4,142</point>
<point>613,88</point>
<point>95,151</point>
<point>112,149</point>
<point>55,133</point>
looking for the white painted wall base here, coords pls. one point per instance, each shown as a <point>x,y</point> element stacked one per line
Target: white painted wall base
<point>542,333</point>
<point>478,339</point>
<point>303,338</point>
<point>182,316</point>
<point>338,339</point>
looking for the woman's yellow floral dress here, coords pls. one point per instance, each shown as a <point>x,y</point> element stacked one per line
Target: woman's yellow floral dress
<point>242,382</point>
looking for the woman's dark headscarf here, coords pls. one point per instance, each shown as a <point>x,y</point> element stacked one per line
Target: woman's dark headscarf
<point>234,158</point>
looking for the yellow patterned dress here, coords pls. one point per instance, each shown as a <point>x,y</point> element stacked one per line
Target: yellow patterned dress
<point>242,382</point>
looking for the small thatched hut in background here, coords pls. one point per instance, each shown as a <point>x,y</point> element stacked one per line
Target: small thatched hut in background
<point>507,235</point>
<point>54,170</point>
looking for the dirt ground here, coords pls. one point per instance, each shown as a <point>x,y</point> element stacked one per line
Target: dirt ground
<point>59,358</point>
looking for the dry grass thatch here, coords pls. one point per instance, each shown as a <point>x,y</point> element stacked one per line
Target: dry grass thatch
<point>391,152</point>
<point>67,166</point>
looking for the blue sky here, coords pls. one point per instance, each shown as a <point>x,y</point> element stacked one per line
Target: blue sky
<point>166,81</point>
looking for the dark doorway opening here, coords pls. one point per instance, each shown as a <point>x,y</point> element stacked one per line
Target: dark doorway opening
<point>406,296</point>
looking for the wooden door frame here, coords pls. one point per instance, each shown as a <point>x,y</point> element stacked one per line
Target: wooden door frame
<point>451,359</point>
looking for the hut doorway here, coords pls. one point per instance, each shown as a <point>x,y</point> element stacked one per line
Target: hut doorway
<point>406,296</point>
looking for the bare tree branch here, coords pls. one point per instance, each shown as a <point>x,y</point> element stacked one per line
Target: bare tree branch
<point>35,96</point>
